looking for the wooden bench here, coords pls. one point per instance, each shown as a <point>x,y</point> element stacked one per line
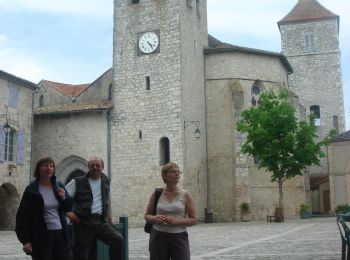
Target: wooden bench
<point>100,251</point>
<point>276,217</point>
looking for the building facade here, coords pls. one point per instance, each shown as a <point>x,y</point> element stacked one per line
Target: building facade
<point>15,143</point>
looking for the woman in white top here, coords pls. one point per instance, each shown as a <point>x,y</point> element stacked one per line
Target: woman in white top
<point>175,211</point>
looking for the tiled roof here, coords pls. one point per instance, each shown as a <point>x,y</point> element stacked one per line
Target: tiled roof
<point>216,46</point>
<point>344,137</point>
<point>306,10</point>
<point>19,81</point>
<point>67,89</point>
<point>74,108</point>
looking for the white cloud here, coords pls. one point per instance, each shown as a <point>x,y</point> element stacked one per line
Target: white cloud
<point>3,38</point>
<point>93,8</point>
<point>21,65</point>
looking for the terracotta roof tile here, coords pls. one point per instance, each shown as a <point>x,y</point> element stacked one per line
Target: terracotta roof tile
<point>68,89</point>
<point>306,10</point>
<point>74,108</point>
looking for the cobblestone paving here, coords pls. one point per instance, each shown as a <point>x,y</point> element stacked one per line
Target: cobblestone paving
<point>316,238</point>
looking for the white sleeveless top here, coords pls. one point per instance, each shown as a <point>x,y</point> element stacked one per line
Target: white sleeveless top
<point>175,209</point>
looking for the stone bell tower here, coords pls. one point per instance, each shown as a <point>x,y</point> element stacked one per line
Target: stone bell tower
<point>310,41</point>
<point>159,99</point>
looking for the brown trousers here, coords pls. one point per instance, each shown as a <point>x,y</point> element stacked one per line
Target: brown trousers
<point>85,234</point>
<point>166,246</point>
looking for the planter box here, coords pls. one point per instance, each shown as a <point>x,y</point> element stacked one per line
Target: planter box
<point>305,214</point>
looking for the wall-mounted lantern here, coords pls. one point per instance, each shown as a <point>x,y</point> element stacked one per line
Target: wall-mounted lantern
<point>197,132</point>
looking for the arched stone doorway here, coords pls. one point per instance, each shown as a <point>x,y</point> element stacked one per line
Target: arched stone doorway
<point>71,167</point>
<point>73,175</point>
<point>9,200</point>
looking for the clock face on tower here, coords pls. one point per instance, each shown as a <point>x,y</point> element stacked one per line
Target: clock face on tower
<point>148,42</point>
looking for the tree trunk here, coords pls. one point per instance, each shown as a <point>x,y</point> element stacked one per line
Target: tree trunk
<point>280,201</point>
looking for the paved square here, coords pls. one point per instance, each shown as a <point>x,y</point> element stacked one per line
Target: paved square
<point>316,238</point>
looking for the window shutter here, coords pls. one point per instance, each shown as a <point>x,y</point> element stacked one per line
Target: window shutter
<point>20,147</point>
<point>13,95</point>
<point>2,144</point>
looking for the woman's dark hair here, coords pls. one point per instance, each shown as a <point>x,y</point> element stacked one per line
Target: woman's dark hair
<point>40,163</point>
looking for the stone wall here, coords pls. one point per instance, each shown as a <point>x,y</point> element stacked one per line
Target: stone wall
<point>339,176</point>
<point>233,177</point>
<point>51,95</point>
<point>61,136</point>
<point>98,90</point>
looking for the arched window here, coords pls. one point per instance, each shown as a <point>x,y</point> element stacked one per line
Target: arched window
<point>256,91</point>
<point>164,150</point>
<point>41,100</point>
<point>316,111</point>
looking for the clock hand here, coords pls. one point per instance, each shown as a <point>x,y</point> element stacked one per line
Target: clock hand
<point>150,44</point>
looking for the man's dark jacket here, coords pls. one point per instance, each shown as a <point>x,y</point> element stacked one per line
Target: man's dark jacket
<point>30,223</point>
<point>83,198</point>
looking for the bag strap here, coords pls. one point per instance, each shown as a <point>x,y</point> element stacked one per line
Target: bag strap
<point>157,194</point>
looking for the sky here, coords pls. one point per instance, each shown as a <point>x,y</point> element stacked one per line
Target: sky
<point>70,41</point>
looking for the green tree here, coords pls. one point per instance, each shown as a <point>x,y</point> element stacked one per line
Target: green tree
<point>284,145</point>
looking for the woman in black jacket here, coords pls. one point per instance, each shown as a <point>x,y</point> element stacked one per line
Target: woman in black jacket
<point>40,222</point>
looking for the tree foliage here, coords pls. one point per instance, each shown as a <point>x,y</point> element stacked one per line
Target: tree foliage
<point>284,145</point>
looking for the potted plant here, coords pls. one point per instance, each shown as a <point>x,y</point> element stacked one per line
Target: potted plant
<point>305,211</point>
<point>245,210</point>
<point>343,208</point>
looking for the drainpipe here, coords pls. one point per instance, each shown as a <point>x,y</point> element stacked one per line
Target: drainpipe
<point>109,145</point>
<point>208,215</point>
<point>31,135</point>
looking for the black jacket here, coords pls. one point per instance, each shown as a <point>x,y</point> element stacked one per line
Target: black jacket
<point>83,197</point>
<point>30,223</point>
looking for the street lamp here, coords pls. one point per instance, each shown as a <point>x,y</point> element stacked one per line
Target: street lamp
<point>197,132</point>
<point>7,128</point>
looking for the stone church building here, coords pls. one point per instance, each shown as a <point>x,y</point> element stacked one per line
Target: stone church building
<point>175,93</point>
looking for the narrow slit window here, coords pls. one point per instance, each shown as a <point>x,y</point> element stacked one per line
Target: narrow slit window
<point>135,1</point>
<point>336,124</point>
<point>140,134</point>
<point>110,92</point>
<point>148,83</point>
<point>198,9</point>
